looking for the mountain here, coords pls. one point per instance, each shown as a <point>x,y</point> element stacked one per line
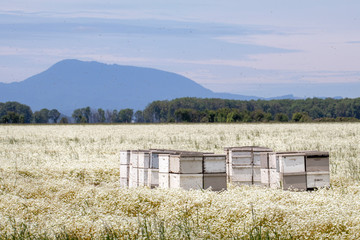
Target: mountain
<point>71,84</point>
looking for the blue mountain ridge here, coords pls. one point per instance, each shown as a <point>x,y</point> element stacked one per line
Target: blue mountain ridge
<point>71,84</point>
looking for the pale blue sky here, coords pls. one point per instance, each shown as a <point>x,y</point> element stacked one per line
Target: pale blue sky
<point>263,48</point>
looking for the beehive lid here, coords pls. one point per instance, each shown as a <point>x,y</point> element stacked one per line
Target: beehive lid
<point>248,149</point>
<point>286,154</point>
<point>316,153</point>
<point>214,155</point>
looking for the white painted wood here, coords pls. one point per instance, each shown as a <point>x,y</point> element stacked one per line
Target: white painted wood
<point>186,181</point>
<point>274,178</point>
<point>164,180</point>
<point>241,158</point>
<point>272,160</point>
<point>124,182</point>
<point>154,160</point>
<point>256,158</point>
<point>214,163</point>
<point>124,171</point>
<point>265,177</point>
<point>153,178</point>
<point>241,174</point>
<point>133,180</point>
<point>134,158</point>
<point>318,179</point>
<point>186,164</point>
<point>125,157</point>
<point>144,160</point>
<point>292,163</point>
<point>164,163</point>
<point>143,176</point>
<point>256,174</point>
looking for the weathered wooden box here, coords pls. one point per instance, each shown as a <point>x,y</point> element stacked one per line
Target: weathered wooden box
<point>290,162</point>
<point>143,176</point>
<point>214,163</point>
<point>164,163</point>
<point>215,181</point>
<point>164,180</point>
<point>288,181</point>
<point>134,158</point>
<point>317,161</point>
<point>186,163</point>
<point>153,178</point>
<point>124,171</point>
<point>186,181</point>
<point>125,157</point>
<point>317,179</point>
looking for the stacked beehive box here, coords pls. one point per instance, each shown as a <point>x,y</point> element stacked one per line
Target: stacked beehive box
<point>317,169</point>
<point>295,170</point>
<point>214,170</point>
<point>124,168</point>
<point>243,164</point>
<point>192,170</point>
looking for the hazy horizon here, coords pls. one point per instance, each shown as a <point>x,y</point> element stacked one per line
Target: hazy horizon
<point>262,48</point>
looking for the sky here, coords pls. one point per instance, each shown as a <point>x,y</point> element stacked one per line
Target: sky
<point>262,48</point>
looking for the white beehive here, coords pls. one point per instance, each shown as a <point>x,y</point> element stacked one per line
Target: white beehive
<point>243,164</point>
<point>215,181</point>
<point>124,182</point>
<point>214,163</point>
<point>164,180</point>
<point>186,163</point>
<point>317,179</point>
<point>143,177</point>
<point>133,180</point>
<point>164,163</point>
<point>134,158</point>
<point>125,157</point>
<point>124,171</point>
<point>290,163</point>
<point>153,178</point>
<point>186,181</point>
<point>143,159</point>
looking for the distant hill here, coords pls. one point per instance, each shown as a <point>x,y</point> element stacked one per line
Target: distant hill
<point>71,84</point>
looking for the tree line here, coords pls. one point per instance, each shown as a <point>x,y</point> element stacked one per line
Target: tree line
<point>197,110</point>
<point>224,110</point>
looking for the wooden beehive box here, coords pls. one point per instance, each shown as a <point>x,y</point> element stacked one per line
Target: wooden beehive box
<point>186,163</point>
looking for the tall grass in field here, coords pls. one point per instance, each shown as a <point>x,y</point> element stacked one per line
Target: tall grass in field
<point>61,182</point>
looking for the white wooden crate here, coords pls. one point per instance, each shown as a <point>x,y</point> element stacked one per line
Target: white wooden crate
<point>186,181</point>
<point>318,179</point>
<point>214,163</point>
<point>164,180</point>
<point>186,164</point>
<point>125,157</point>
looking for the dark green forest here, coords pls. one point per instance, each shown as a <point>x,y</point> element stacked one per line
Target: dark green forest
<point>197,110</point>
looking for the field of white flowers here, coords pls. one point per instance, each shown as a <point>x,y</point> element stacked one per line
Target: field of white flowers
<point>62,181</point>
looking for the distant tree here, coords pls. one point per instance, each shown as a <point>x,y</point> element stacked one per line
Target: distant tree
<point>281,117</point>
<point>12,117</point>
<point>125,115</point>
<point>139,117</point>
<point>14,112</point>
<point>41,116</point>
<point>64,120</point>
<point>114,116</point>
<point>82,115</point>
<point>101,114</point>
<point>301,117</point>
<point>54,115</point>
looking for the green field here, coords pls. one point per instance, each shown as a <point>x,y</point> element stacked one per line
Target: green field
<point>62,181</point>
